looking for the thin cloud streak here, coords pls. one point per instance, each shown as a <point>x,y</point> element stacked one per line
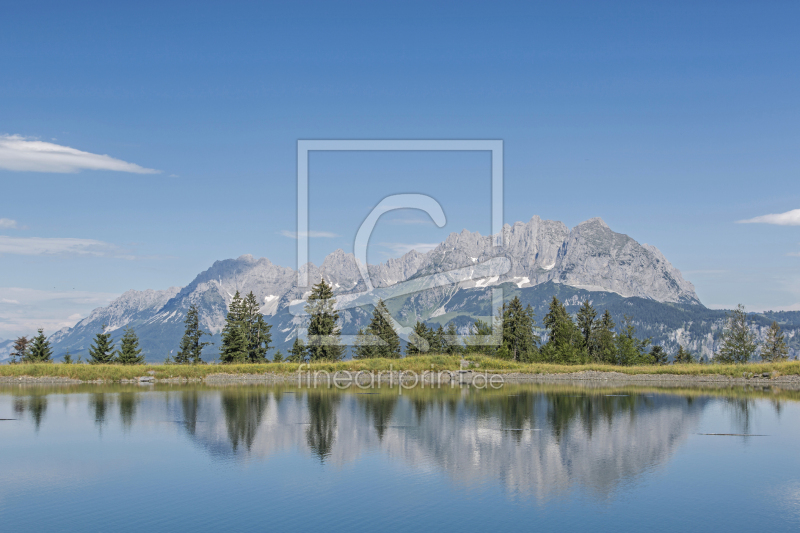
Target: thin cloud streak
<point>59,246</point>
<point>7,223</point>
<point>23,154</point>
<point>23,311</point>
<point>789,218</point>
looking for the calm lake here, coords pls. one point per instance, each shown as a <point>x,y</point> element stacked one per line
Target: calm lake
<point>255,458</point>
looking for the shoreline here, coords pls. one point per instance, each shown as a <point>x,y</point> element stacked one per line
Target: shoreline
<point>445,377</point>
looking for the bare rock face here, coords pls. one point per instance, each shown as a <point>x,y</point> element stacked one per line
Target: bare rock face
<point>593,257</point>
<point>120,312</point>
<point>590,256</point>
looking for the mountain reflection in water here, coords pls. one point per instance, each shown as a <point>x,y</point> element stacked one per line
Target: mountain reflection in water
<point>535,443</point>
<point>124,457</point>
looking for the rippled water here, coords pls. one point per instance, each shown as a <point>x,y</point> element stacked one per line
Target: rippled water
<point>534,457</point>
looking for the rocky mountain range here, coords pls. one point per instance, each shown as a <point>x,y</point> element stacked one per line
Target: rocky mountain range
<point>452,282</point>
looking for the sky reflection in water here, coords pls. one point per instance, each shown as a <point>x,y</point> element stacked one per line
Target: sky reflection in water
<point>253,458</point>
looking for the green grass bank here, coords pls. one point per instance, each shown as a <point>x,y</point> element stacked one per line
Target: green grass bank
<point>418,364</point>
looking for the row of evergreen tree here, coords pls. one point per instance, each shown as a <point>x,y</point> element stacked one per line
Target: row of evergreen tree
<point>587,338</point>
<point>102,350</point>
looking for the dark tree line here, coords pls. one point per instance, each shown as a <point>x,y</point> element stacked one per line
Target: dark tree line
<point>589,337</point>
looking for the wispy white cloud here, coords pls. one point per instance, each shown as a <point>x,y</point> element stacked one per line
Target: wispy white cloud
<point>794,254</point>
<point>310,234</point>
<point>25,154</point>
<point>403,248</point>
<point>7,223</point>
<point>59,246</point>
<point>789,218</point>
<point>23,311</point>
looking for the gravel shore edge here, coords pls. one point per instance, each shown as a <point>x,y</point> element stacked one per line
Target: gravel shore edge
<point>463,377</point>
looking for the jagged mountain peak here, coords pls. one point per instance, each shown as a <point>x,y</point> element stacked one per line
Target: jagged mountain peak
<point>590,256</point>
<point>596,221</point>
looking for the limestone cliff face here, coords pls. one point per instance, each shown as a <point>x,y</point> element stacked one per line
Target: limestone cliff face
<point>590,256</point>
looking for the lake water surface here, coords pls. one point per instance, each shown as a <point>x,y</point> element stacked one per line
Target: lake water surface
<point>255,458</point>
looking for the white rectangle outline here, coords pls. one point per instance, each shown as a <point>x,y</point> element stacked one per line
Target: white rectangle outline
<point>495,146</point>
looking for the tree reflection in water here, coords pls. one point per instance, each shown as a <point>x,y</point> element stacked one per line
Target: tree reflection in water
<point>98,405</point>
<point>321,431</point>
<point>243,409</point>
<point>379,409</point>
<point>127,407</point>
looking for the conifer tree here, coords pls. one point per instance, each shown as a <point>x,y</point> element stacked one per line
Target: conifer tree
<point>257,330</point>
<point>565,343</point>
<point>20,349</point>
<point>234,347</point>
<point>602,341</point>
<point>586,322</point>
<point>519,339</point>
<point>323,331</point>
<point>67,359</point>
<point>191,347</point>
<point>363,348</point>
<point>775,348</point>
<point>630,350</point>
<point>278,357</point>
<point>380,327</point>
<point>39,350</point>
<point>683,356</point>
<point>483,329</point>
<point>102,349</point>
<point>739,344</point>
<point>452,347</point>
<point>421,333</point>
<point>129,352</point>
<point>658,355</point>
<point>436,339</point>
<point>298,352</point>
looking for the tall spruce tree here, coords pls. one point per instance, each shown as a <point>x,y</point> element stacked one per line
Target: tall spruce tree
<point>256,330</point>
<point>39,350</point>
<point>519,339</point>
<point>191,347</point>
<point>452,346</point>
<point>418,340</point>
<point>602,342</point>
<point>483,329</point>
<point>775,348</point>
<point>565,343</point>
<point>364,348</point>
<point>298,352</point>
<point>234,347</point>
<point>739,344</point>
<point>20,349</point>
<point>630,350</point>
<point>658,355</point>
<point>102,349</point>
<point>129,352</point>
<point>380,327</point>
<point>586,322</point>
<point>683,356</point>
<point>324,334</point>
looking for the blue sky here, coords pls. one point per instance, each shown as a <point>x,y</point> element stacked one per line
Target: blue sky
<point>671,121</point>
